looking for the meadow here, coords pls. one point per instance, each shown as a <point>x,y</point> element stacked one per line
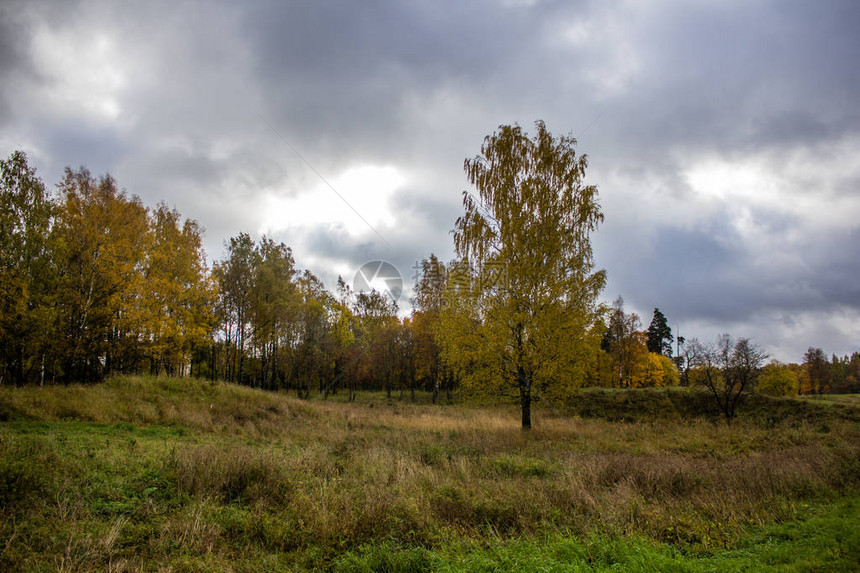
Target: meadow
<point>161,474</point>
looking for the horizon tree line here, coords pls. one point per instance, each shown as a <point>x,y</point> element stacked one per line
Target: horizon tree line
<point>94,283</point>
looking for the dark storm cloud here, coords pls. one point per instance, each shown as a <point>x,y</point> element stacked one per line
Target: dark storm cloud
<point>9,58</point>
<point>712,275</point>
<point>740,80</point>
<point>354,76</point>
<point>835,268</point>
<point>14,63</point>
<point>773,84</point>
<point>687,270</point>
<point>99,149</point>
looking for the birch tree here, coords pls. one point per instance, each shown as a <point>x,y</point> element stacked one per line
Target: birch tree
<point>519,321</point>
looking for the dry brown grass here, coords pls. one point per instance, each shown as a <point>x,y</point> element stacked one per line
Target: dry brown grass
<point>196,404</point>
<point>269,471</point>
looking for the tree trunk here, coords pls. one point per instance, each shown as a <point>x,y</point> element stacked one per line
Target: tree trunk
<point>526,402</point>
<point>449,387</point>
<point>525,398</point>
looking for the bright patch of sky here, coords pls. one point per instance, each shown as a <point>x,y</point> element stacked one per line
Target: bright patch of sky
<point>359,203</point>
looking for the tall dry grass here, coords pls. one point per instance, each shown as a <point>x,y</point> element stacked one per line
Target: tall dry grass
<point>266,472</point>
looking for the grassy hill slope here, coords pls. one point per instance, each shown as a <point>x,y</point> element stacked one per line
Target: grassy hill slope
<point>176,475</point>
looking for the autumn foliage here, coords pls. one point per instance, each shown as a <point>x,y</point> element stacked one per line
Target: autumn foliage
<point>95,283</point>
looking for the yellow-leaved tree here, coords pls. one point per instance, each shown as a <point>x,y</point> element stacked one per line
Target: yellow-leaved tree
<point>523,297</point>
<point>98,244</point>
<point>778,379</point>
<point>177,294</point>
<point>656,371</point>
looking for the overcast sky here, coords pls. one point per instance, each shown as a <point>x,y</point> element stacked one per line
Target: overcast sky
<point>724,136</point>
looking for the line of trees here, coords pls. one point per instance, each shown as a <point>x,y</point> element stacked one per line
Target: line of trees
<point>278,327</point>
<point>92,283</point>
<point>634,357</point>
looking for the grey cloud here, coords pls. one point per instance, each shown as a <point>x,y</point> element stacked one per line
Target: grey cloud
<point>439,213</point>
<point>77,144</point>
<point>9,58</point>
<point>835,269</point>
<point>14,62</point>
<point>418,85</point>
<point>708,275</point>
<point>347,74</point>
<point>739,79</point>
<point>688,271</point>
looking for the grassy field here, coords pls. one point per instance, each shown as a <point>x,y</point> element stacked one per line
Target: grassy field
<point>185,475</point>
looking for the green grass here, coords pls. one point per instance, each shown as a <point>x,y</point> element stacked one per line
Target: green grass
<point>827,539</point>
<point>185,475</point>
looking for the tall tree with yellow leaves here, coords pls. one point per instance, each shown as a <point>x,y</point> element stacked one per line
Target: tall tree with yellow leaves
<point>428,305</point>
<point>179,295</point>
<point>26,309</point>
<point>519,323</point>
<point>98,248</point>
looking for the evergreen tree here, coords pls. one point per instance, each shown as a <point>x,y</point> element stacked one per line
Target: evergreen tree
<point>660,335</point>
